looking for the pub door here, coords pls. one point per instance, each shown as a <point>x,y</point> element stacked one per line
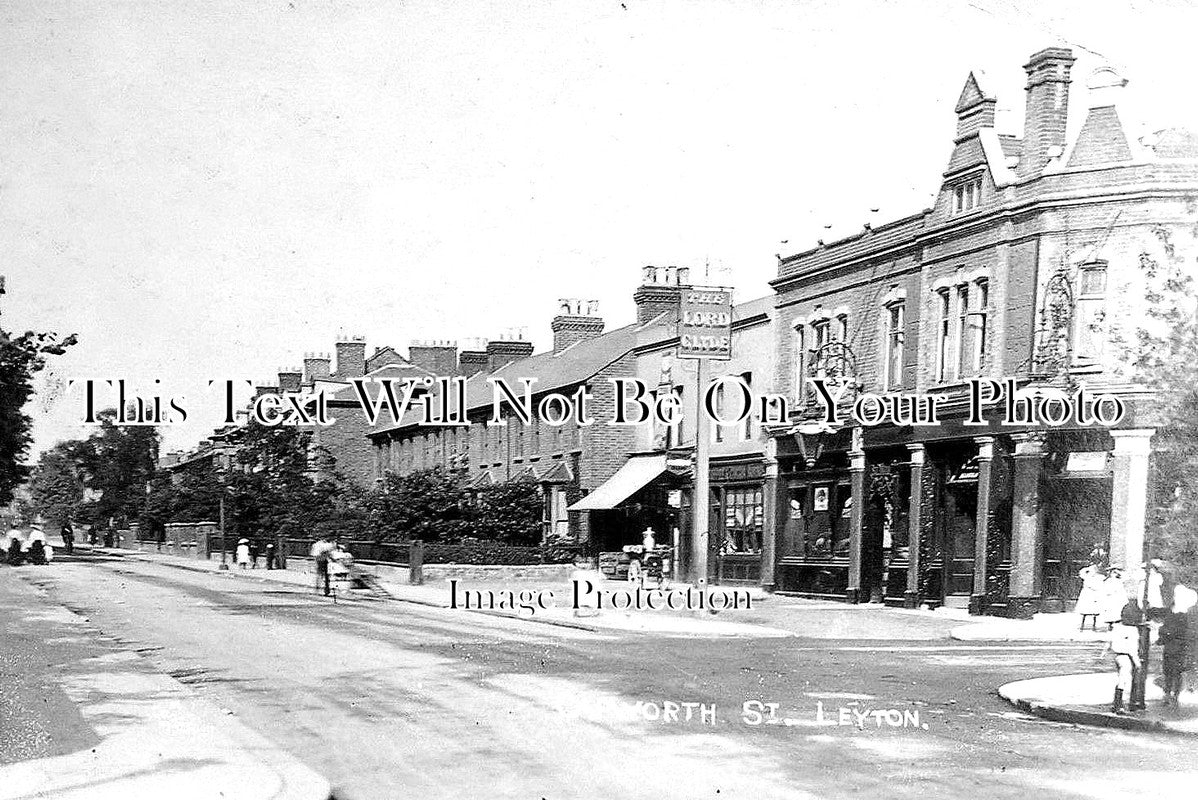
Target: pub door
<point>959,538</point>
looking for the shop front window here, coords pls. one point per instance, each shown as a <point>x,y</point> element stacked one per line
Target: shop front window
<point>743,514</point>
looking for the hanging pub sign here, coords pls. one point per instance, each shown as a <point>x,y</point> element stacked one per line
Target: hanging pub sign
<point>705,323</point>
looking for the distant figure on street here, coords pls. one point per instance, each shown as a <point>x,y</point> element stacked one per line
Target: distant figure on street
<point>1089,602</point>
<point>1114,597</point>
<point>243,553</point>
<point>648,539</point>
<point>68,537</point>
<point>340,562</point>
<point>270,555</point>
<point>1124,644</point>
<point>322,549</point>
<point>35,547</point>
<point>255,549</point>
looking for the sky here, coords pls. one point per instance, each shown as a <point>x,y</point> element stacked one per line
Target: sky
<point>208,190</point>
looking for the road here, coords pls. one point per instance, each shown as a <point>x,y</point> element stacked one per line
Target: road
<point>391,699</point>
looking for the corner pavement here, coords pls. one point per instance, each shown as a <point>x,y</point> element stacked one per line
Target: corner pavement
<point>107,726</point>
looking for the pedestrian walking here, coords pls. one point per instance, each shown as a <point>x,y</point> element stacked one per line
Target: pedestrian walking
<point>1089,601</point>
<point>1114,597</point>
<point>1173,638</point>
<point>68,537</point>
<point>243,553</point>
<point>1124,645</point>
<point>322,548</point>
<point>270,555</point>
<point>254,551</point>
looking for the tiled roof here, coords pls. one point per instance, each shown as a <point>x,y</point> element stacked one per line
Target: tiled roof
<point>882,237</point>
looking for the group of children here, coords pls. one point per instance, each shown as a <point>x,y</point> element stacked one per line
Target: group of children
<point>1172,614</point>
<point>19,548</point>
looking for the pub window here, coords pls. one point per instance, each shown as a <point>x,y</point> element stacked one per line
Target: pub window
<point>963,332</point>
<point>820,332</point>
<point>895,313</point>
<point>967,196</point>
<point>978,325</point>
<point>800,364</point>
<point>746,428</point>
<point>1089,312</point>
<point>944,335</point>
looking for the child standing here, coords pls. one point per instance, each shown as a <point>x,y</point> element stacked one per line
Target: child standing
<point>1124,643</point>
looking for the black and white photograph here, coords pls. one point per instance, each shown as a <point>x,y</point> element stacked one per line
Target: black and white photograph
<point>701,399</point>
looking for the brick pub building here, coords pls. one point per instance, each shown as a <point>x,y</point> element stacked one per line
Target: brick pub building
<point>1028,266</point>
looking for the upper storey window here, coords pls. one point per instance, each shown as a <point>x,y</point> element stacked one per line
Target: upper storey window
<point>1088,312</point>
<point>967,195</point>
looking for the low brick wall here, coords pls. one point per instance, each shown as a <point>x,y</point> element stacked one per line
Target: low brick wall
<point>477,573</point>
<point>186,539</point>
<point>398,573</point>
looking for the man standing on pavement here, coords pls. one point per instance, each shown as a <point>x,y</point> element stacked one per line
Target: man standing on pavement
<point>322,549</point>
<point>68,537</point>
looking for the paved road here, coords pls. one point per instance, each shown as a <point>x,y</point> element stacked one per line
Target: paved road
<point>398,700</point>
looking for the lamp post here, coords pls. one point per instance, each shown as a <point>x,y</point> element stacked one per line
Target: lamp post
<point>224,563</point>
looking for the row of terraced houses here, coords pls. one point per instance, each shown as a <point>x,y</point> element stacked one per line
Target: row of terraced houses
<point>1027,266</point>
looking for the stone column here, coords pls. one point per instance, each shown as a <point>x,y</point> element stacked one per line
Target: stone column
<point>1027,528</point>
<point>1129,495</point>
<point>769,525</point>
<point>977,602</point>
<point>911,598</point>
<point>857,475</point>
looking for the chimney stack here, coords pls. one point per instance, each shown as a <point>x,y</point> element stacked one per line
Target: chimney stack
<point>351,358</point>
<point>1047,108</point>
<point>576,321</point>
<point>473,357</point>
<point>290,379</point>
<point>438,357</point>
<point>507,348</point>
<point>659,293</point>
<point>975,108</point>
<point>317,366</point>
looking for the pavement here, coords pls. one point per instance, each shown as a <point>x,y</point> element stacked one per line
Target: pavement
<point>83,719</point>
<point>1085,699</point>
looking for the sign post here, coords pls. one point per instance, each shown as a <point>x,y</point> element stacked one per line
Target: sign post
<point>704,333</point>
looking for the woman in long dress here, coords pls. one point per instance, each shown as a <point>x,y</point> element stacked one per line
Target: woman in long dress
<point>243,554</point>
<point>1114,598</point>
<point>1089,601</point>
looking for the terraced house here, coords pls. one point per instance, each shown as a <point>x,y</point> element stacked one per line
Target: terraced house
<point>604,484</point>
<point>1028,266</point>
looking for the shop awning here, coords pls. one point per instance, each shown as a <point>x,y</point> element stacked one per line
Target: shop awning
<point>637,473</point>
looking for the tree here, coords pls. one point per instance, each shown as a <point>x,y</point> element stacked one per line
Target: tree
<point>510,512</point>
<point>21,358</point>
<point>427,504</point>
<point>118,463</point>
<point>56,485</point>
<point>1164,356</point>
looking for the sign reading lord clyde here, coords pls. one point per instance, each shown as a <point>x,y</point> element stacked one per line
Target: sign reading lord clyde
<point>705,323</point>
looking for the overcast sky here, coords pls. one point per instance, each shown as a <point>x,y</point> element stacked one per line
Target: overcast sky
<point>210,189</point>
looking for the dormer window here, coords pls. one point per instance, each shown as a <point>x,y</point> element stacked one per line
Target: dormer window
<point>967,195</point>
